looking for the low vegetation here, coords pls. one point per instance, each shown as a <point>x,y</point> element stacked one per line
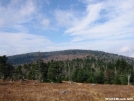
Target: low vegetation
<point>30,90</point>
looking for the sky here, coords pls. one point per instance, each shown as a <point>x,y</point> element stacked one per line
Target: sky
<point>52,25</point>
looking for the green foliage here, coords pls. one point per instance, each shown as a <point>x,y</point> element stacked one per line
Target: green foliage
<point>91,78</point>
<point>99,68</point>
<point>52,74</point>
<point>80,75</point>
<point>132,77</point>
<point>117,79</point>
<point>100,77</point>
<point>123,79</point>
<point>6,70</point>
<point>109,76</point>
<point>30,75</point>
<point>88,70</point>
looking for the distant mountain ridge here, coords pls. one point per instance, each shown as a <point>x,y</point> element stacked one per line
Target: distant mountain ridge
<point>65,55</point>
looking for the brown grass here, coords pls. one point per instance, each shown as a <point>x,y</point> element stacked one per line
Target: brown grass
<point>30,91</point>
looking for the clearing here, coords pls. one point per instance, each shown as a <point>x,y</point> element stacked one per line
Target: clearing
<point>34,91</point>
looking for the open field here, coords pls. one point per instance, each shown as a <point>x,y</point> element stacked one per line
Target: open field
<point>31,91</point>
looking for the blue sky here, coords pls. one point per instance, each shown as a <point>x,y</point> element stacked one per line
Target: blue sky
<point>51,25</point>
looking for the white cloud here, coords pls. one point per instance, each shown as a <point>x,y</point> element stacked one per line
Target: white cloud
<point>132,55</point>
<point>125,49</point>
<point>92,13</point>
<point>66,18</point>
<point>46,23</point>
<point>17,12</point>
<point>16,43</point>
<point>116,21</point>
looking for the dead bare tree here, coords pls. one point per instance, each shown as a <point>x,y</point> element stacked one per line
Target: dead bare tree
<point>129,76</point>
<point>115,71</point>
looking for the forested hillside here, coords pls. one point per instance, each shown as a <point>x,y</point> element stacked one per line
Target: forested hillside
<point>72,65</point>
<point>65,55</point>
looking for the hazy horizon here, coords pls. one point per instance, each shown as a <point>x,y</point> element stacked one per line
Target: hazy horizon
<point>66,50</point>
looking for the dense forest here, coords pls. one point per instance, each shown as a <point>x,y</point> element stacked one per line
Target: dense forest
<point>100,68</point>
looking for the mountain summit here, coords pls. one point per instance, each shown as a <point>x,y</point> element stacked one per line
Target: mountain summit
<point>65,55</point>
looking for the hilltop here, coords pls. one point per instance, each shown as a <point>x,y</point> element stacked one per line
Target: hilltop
<point>65,55</point>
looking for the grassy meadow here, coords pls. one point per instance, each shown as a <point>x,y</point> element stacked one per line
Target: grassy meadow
<point>34,91</point>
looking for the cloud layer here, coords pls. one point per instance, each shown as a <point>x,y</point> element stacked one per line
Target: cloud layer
<point>103,20</point>
<point>12,13</point>
<point>36,25</point>
<point>16,43</point>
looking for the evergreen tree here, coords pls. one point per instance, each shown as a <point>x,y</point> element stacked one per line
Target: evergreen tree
<point>132,77</point>
<point>54,72</point>
<point>109,76</point>
<point>117,79</point>
<point>123,79</point>
<point>18,72</point>
<point>44,72</point>
<point>100,78</point>
<point>6,70</point>
<point>91,78</point>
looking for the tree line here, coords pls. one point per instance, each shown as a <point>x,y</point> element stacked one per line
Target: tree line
<point>86,70</point>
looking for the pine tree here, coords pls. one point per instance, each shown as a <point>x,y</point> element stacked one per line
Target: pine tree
<point>117,79</point>
<point>100,78</point>
<point>123,79</point>
<point>6,70</point>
